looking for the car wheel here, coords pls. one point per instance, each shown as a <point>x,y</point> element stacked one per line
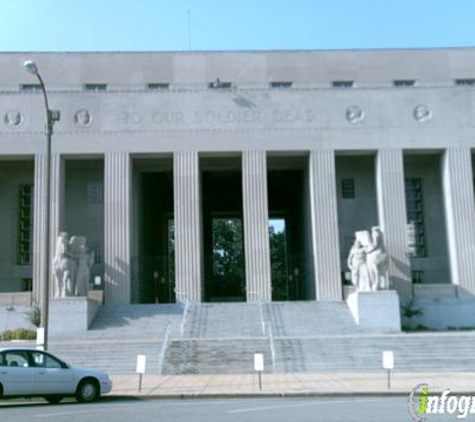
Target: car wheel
<point>54,399</point>
<point>87,391</point>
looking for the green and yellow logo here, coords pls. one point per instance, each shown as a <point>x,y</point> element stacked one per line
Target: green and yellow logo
<point>421,403</point>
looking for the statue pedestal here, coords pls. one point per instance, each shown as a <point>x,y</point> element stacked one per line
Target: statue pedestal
<point>376,311</point>
<point>71,316</point>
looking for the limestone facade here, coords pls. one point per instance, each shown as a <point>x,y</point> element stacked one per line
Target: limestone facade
<point>370,137</point>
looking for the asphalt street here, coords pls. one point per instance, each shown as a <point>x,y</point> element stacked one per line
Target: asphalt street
<point>325,409</point>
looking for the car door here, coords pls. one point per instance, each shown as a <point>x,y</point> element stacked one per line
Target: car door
<point>16,373</point>
<point>51,375</point>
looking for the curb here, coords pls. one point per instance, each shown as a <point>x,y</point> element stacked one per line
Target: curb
<point>189,396</point>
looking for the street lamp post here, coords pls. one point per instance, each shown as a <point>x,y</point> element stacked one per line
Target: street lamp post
<point>52,116</point>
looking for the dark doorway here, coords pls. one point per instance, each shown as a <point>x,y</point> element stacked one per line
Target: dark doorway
<point>223,235</point>
<point>289,263</point>
<point>154,268</point>
<point>228,259</point>
<point>281,284</point>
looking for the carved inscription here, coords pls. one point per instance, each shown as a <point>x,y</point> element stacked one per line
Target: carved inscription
<point>206,118</point>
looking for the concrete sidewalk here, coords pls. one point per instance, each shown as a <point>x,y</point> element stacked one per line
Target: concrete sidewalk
<point>288,384</point>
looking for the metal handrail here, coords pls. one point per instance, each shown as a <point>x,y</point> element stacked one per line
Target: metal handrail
<point>261,314</point>
<point>161,357</point>
<point>184,318</point>
<point>271,345</point>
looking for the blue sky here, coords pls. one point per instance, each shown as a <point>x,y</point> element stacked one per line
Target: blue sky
<point>120,25</point>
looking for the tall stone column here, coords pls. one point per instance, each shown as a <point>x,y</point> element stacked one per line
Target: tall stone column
<point>117,184</point>
<point>392,217</point>
<point>324,225</point>
<point>187,216</point>
<point>256,225</point>
<point>460,216</point>
<point>39,217</point>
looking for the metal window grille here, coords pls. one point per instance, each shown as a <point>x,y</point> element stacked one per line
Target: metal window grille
<point>281,85</point>
<point>30,87</point>
<point>348,188</point>
<point>415,217</point>
<point>158,86</point>
<point>404,83</point>
<point>465,82</point>
<point>25,224</point>
<point>342,84</point>
<point>95,87</point>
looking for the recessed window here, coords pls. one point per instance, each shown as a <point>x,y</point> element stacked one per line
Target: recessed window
<point>30,87</point>
<point>342,84</point>
<point>281,85</point>
<point>404,83</point>
<point>348,188</point>
<point>95,87</point>
<point>219,85</point>
<point>417,277</point>
<point>94,192</point>
<point>158,86</point>
<point>465,82</point>
<point>26,284</point>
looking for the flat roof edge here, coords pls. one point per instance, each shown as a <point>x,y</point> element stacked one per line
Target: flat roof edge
<point>244,51</point>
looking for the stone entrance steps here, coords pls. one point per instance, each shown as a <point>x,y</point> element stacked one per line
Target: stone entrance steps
<point>322,354</point>
<point>349,353</point>
<point>214,356</point>
<point>222,338</point>
<point>297,319</point>
<point>134,321</point>
<point>116,357</point>
<point>241,320</point>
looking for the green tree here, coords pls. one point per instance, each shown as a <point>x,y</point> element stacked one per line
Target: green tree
<point>278,259</point>
<point>227,250</point>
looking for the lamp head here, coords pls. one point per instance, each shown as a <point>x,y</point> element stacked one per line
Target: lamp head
<point>31,67</point>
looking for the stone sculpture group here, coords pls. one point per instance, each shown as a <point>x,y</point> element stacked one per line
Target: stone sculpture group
<point>368,261</point>
<point>71,266</point>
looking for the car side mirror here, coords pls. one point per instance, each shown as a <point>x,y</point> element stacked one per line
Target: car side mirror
<point>64,365</point>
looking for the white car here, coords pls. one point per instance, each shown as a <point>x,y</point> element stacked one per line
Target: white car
<point>29,372</point>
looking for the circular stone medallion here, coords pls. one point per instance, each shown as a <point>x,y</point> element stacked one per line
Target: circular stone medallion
<point>83,118</point>
<point>354,114</point>
<point>422,113</point>
<point>13,118</point>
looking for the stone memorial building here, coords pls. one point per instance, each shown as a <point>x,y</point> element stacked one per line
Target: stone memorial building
<point>243,176</point>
